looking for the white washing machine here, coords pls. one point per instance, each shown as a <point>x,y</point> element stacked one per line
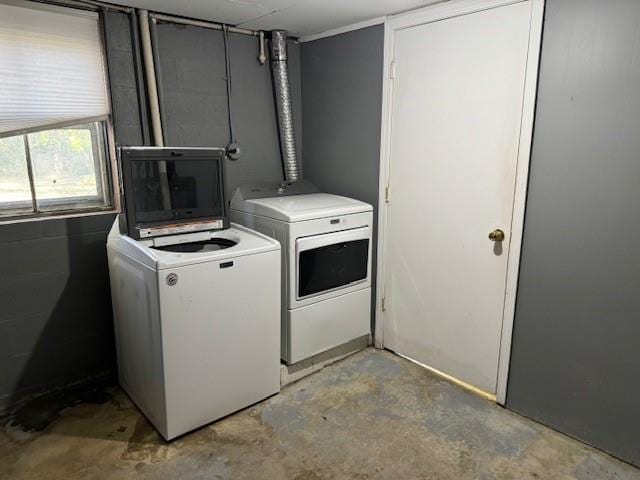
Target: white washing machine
<point>196,303</point>
<point>326,262</point>
<point>197,323</point>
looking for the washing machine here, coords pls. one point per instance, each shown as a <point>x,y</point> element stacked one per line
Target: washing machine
<point>326,262</point>
<point>196,300</point>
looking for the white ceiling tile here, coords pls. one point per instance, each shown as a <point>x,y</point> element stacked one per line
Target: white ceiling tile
<point>299,17</point>
<point>315,16</point>
<point>231,12</point>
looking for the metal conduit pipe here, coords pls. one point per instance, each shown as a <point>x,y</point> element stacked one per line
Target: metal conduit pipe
<point>150,75</point>
<point>90,5</point>
<point>141,89</point>
<point>96,5</point>
<point>282,91</point>
<point>154,102</point>
<point>161,17</point>
<point>108,6</point>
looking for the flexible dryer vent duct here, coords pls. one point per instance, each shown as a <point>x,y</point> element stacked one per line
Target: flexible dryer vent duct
<point>282,90</point>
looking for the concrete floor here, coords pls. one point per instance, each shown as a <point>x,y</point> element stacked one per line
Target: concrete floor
<point>371,416</point>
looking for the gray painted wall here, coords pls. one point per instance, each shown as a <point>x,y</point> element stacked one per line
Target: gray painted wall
<point>342,104</point>
<point>194,98</point>
<point>575,363</point>
<point>55,322</point>
<point>128,103</point>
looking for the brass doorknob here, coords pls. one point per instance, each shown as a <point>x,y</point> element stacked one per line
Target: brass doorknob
<point>497,235</point>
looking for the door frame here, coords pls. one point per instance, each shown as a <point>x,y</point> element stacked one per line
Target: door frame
<point>441,11</point>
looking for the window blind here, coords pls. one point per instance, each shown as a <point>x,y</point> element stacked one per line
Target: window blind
<point>51,67</point>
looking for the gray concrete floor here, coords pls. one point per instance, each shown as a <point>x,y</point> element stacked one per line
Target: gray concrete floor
<point>371,416</point>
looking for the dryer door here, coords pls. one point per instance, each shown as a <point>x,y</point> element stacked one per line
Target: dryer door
<point>331,262</point>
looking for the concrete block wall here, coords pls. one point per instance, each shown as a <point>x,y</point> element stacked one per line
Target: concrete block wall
<point>56,322</point>
<point>193,97</point>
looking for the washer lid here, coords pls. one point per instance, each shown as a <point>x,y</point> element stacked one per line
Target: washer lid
<point>297,208</point>
<point>247,242</point>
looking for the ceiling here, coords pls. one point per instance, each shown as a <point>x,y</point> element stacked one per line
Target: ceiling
<point>299,17</point>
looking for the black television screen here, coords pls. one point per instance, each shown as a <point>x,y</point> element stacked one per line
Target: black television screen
<point>172,186</point>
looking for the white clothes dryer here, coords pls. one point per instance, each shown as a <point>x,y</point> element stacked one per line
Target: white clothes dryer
<point>326,262</point>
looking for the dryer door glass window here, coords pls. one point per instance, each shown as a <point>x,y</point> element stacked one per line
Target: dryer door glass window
<point>332,266</point>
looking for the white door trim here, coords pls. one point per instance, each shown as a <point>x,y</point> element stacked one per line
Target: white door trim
<point>430,14</point>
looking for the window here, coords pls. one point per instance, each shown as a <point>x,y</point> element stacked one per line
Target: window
<point>54,111</point>
<point>50,170</point>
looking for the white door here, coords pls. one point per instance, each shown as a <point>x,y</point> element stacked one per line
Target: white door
<point>457,103</point>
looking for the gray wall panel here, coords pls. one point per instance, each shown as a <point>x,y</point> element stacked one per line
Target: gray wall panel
<point>575,362</point>
<point>127,113</point>
<point>194,98</point>
<point>55,321</point>
<point>342,103</point>
<point>191,76</point>
<point>254,113</point>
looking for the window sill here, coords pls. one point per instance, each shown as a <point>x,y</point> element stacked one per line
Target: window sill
<point>57,216</point>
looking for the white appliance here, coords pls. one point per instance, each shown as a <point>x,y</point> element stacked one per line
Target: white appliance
<point>326,262</point>
<point>196,304</point>
<point>197,327</point>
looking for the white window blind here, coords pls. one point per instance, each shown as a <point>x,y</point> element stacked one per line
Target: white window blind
<point>51,67</point>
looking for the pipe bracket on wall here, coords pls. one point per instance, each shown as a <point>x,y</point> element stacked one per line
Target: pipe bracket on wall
<point>233,151</point>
